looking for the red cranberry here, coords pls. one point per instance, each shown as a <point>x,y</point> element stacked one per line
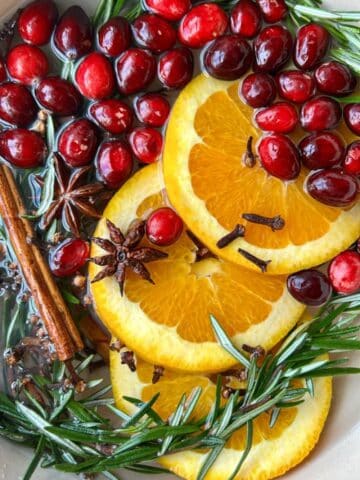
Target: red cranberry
<point>258,90</point>
<point>152,109</point>
<point>332,187</point>
<point>352,117</point>
<point>135,70</point>
<point>312,42</point>
<point>228,57</point>
<point>59,96</point>
<point>22,148</point>
<point>344,272</point>
<point>95,77</point>
<point>320,113</point>
<point>172,10</point>
<point>322,150</point>
<point>114,36</point>
<point>272,48</point>
<point>281,117</point>
<point>175,67</point>
<point>310,287</point>
<point>279,156</point>
<point>68,257</point>
<point>17,106</point>
<point>245,19</point>
<point>37,20</point>
<point>146,144</point>
<point>73,33</point>
<point>352,159</point>
<point>27,64</point>
<point>114,163</point>
<point>112,115</point>
<point>273,10</point>
<point>201,24</point>
<point>335,78</point>
<point>295,86</point>
<point>164,227</point>
<point>78,142</point>
<point>3,74</point>
<point>153,32</point>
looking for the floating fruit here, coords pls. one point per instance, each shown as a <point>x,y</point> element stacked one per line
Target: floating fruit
<point>112,115</point>
<point>312,42</point>
<point>272,48</point>
<point>279,156</point>
<point>68,257</point>
<point>281,117</point>
<point>320,113</point>
<point>344,272</point>
<point>172,10</point>
<point>59,96</point>
<point>352,159</point>
<point>322,150</point>
<point>17,106</point>
<point>114,163</point>
<point>163,227</point>
<point>27,64</point>
<point>258,89</point>
<point>310,287</point>
<point>332,187</point>
<point>146,144</point>
<point>175,67</point>
<point>245,19</point>
<point>135,70</point>
<point>37,20</point>
<point>78,142</point>
<point>22,148</point>
<point>295,86</point>
<point>153,32</point>
<point>152,109</point>
<point>95,77</point>
<point>73,33</point>
<point>335,78</point>
<point>273,10</point>
<point>352,117</point>
<point>114,37</point>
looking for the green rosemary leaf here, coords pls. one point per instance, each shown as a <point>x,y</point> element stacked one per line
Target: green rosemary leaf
<point>209,462</point>
<point>92,384</point>
<point>119,4</point>
<point>36,459</point>
<point>311,12</point>
<point>213,414</point>
<point>332,372</point>
<point>69,297</point>
<point>145,409</point>
<point>82,413</point>
<point>149,469</point>
<point>35,404</point>
<point>85,466</point>
<point>212,441</point>
<point>84,364</point>
<point>248,445</point>
<point>226,343</point>
<point>126,459</point>
<point>64,400</point>
<point>295,345</point>
<point>50,132</point>
<point>191,403</point>
<point>99,13</point>
<point>289,404</point>
<point>174,420</point>
<point>99,393</point>
<point>225,418</point>
<point>310,386</point>
<point>58,371</point>
<point>296,372</point>
<point>47,192</point>
<point>274,416</point>
<point>337,345</point>
<point>90,436</point>
<point>19,316</point>
<point>119,413</point>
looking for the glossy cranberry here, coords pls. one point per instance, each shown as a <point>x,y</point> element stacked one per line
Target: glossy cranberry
<point>146,144</point>
<point>344,272</point>
<point>312,42</point>
<point>272,48</point>
<point>153,32</point>
<point>68,257</point>
<point>17,106</point>
<point>352,117</point>
<point>258,90</point>
<point>228,57</point>
<point>27,64</point>
<point>245,19</point>
<point>112,115</point>
<point>279,156</point>
<point>332,187</point>
<point>295,86</point>
<point>59,96</point>
<point>352,159</point>
<point>310,287</point>
<point>135,70</point>
<point>175,67</point>
<point>152,109</point>
<point>201,24</point>
<point>320,113</point>
<point>114,36</point>
<point>114,163</point>
<point>22,148</point>
<point>36,22</point>
<point>172,10</point>
<point>273,10</point>
<point>3,74</point>
<point>335,78</point>
<point>78,142</point>
<point>281,117</point>
<point>73,33</point>
<point>164,227</point>
<point>322,150</point>
<point>95,77</point>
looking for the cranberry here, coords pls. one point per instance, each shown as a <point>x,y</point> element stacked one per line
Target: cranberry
<point>73,33</point>
<point>258,90</point>
<point>37,20</point>
<point>164,227</point>
<point>310,287</point>
<point>172,10</point>
<point>135,70</point>
<point>175,67</point>
<point>352,159</point>
<point>272,48</point>
<point>295,86</point>
<point>114,36</point>
<point>27,64</point>
<point>352,117</point>
<point>114,163</point>
<point>146,144</point>
<point>279,156</point>
<point>312,42</point>
<point>95,77</point>
<point>112,115</point>
<point>201,24</point>
<point>320,113</point>
<point>332,187</point>
<point>321,150</point>
<point>22,148</point>
<point>335,78</point>
<point>281,117</point>
<point>59,96</point>
<point>78,142</point>
<point>344,272</point>
<point>153,32</point>
<point>273,10</point>
<point>68,257</point>
<point>17,106</point>
<point>228,57</point>
<point>245,19</point>
<point>3,74</point>
<point>152,109</point>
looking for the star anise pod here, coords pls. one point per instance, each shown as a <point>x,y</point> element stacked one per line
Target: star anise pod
<point>123,253</point>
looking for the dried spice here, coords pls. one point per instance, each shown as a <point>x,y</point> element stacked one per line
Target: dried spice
<point>127,358</point>
<point>201,250</point>
<point>157,373</point>
<point>249,158</point>
<point>239,231</point>
<point>257,351</point>
<point>262,264</point>
<point>275,223</point>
